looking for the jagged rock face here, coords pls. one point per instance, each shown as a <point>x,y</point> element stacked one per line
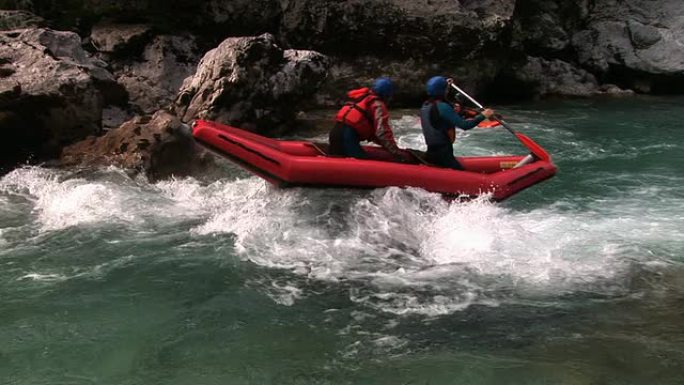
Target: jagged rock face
<point>555,77</point>
<point>159,146</point>
<point>238,17</point>
<point>115,40</point>
<point>10,20</point>
<point>614,39</point>
<point>252,83</point>
<point>227,17</point>
<point>51,92</point>
<point>418,28</point>
<point>153,80</point>
<point>634,37</point>
<point>542,27</point>
<point>150,68</point>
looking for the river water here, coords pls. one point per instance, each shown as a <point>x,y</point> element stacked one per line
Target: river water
<point>105,279</point>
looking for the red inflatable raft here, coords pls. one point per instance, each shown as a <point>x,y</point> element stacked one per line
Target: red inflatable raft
<point>302,163</point>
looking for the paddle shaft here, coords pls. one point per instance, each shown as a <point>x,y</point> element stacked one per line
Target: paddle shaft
<point>536,149</point>
<point>481,107</point>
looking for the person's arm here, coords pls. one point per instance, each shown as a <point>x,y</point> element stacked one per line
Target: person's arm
<point>454,119</point>
<point>383,131</point>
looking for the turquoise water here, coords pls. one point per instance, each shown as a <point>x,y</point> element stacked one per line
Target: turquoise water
<point>106,279</point>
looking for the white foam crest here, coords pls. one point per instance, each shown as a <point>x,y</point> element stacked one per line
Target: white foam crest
<point>270,232</point>
<point>43,277</point>
<point>628,219</point>
<point>407,251</point>
<point>61,203</point>
<point>285,294</point>
<point>262,218</point>
<point>88,272</point>
<point>228,202</point>
<point>429,305</point>
<point>536,248</point>
<point>459,254</point>
<point>188,194</point>
<point>415,253</point>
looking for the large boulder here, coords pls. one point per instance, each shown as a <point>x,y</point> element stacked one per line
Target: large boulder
<point>154,78</point>
<point>51,93</point>
<point>159,146</point>
<point>252,83</point>
<point>151,68</point>
<point>539,77</point>
<point>636,42</point>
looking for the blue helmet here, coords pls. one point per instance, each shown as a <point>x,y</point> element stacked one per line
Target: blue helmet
<point>383,87</point>
<point>436,86</point>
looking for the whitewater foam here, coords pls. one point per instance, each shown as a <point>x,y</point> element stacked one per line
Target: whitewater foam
<point>397,242</point>
<point>43,277</point>
<point>412,252</point>
<point>61,202</point>
<point>402,251</point>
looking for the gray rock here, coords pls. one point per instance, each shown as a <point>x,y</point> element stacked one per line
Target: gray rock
<point>114,116</point>
<point>543,27</point>
<point>409,41</point>
<point>613,90</point>
<point>643,36</point>
<point>51,92</point>
<point>637,35</point>
<point>23,5</point>
<point>294,79</point>
<point>496,8</point>
<point>556,77</point>
<point>153,80</point>
<point>613,39</point>
<point>251,82</point>
<point>394,27</point>
<point>10,20</point>
<point>117,39</point>
<point>241,16</point>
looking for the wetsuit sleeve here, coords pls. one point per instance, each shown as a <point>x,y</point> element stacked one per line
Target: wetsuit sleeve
<point>383,131</point>
<point>447,113</point>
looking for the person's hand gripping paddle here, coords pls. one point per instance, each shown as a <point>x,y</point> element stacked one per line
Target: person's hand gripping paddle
<point>530,144</point>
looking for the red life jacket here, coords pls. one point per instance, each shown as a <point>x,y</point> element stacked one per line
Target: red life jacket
<point>356,113</point>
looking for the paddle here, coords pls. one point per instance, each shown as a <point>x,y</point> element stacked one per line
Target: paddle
<point>534,148</point>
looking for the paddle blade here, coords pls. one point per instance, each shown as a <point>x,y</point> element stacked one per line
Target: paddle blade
<point>534,148</point>
<point>489,124</point>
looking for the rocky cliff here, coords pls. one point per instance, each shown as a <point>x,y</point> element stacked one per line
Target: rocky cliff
<point>486,43</point>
